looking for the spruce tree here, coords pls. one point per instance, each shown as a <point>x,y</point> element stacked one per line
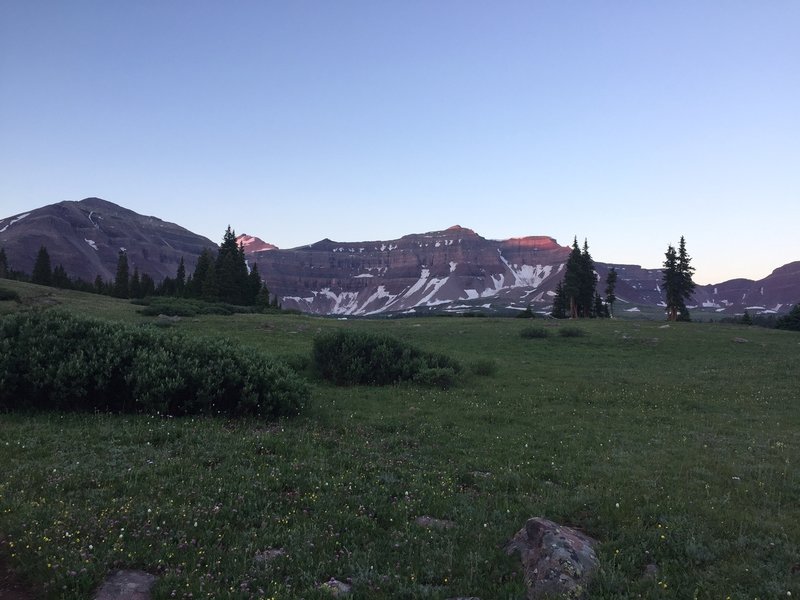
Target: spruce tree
<point>678,283</point>
<point>572,279</point>
<point>560,303</point>
<point>42,272</point>
<point>4,270</point>
<point>60,278</point>
<point>121,280</point>
<point>611,287</point>
<point>210,291</point>
<point>99,285</point>
<point>204,264</point>
<point>180,279</point>
<point>148,285</point>
<point>588,282</point>
<point>136,284</point>
<point>790,321</point>
<point>254,284</point>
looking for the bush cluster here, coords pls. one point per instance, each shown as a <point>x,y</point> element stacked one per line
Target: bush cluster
<point>9,295</point>
<point>534,333</point>
<point>352,357</point>
<point>52,360</point>
<point>571,332</point>
<point>186,307</point>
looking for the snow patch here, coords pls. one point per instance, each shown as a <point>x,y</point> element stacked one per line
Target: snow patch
<point>471,295</point>
<point>14,220</point>
<point>91,243</point>
<point>634,309</point>
<point>453,266</point>
<point>362,275</point>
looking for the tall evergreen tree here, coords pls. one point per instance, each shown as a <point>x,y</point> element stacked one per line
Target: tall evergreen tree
<point>60,279</point>
<point>231,269</point>
<point>122,278</point>
<point>210,290</point>
<point>42,271</point>
<point>205,262</point>
<point>180,278</point>
<point>572,279</point>
<point>148,285</point>
<point>588,280</point>
<point>136,284</point>
<point>99,285</point>
<point>611,288</point>
<point>254,284</point>
<point>678,283</point>
<point>560,303</point>
<point>4,270</point>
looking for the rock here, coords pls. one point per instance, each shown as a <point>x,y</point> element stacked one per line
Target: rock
<point>741,340</point>
<point>431,523</point>
<point>336,588</point>
<point>268,555</point>
<point>126,585</point>
<point>650,571</point>
<point>558,561</point>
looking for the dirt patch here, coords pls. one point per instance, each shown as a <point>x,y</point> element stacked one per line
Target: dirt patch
<point>12,587</point>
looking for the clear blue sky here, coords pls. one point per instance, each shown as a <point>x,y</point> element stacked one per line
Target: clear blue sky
<point>627,122</point>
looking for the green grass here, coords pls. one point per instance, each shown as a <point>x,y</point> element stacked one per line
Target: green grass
<point>671,445</point>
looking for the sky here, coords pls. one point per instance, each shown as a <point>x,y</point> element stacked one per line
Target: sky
<point>628,123</point>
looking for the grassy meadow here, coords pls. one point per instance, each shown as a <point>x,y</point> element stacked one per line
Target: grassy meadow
<point>674,446</point>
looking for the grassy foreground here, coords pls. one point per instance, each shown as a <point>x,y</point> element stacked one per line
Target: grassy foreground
<point>673,446</point>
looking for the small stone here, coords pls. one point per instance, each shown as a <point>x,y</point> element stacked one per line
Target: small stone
<point>651,571</point>
<point>268,555</point>
<point>126,585</point>
<point>431,523</point>
<point>741,340</point>
<point>336,588</point>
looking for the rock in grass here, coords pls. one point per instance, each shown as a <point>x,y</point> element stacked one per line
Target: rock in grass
<point>431,523</point>
<point>336,588</point>
<point>268,555</point>
<point>557,561</point>
<point>126,585</point>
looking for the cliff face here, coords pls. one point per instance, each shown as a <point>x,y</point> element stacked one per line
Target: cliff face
<point>455,266</point>
<point>86,237</point>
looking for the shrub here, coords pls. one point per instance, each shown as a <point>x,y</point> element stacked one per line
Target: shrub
<point>185,307</point>
<point>484,367</point>
<point>9,295</point>
<point>571,332</point>
<point>352,358</point>
<point>534,333</point>
<point>790,321</point>
<point>440,377</point>
<point>51,360</point>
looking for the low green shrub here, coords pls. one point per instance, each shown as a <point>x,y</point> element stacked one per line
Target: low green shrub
<point>51,360</point>
<point>534,333</point>
<point>353,358</point>
<point>439,377</point>
<point>186,307</point>
<point>9,295</point>
<point>571,332</point>
<point>485,367</point>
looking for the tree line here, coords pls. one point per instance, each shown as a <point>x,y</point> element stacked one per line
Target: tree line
<point>221,276</point>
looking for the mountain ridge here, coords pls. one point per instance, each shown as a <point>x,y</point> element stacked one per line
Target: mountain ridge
<point>450,270</point>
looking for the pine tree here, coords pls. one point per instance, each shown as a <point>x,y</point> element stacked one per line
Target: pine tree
<point>42,272</point>
<point>790,321</point>
<point>99,285</point>
<point>611,287</point>
<point>599,311</point>
<point>148,285</point>
<point>121,281</point>
<point>4,270</point>
<point>588,282</point>
<point>560,303</point>
<point>210,291</point>
<point>254,284</point>
<point>136,284</point>
<point>60,279</point>
<point>180,279</point>
<point>204,264</point>
<point>746,319</point>
<point>678,283</point>
<point>231,267</point>
<point>572,279</point>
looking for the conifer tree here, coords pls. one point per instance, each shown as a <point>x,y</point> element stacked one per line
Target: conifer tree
<point>790,321</point>
<point>678,283</point>
<point>4,270</point>
<point>201,269</point>
<point>60,278</point>
<point>42,272</point>
<point>572,279</point>
<point>254,284</point>
<point>180,279</point>
<point>148,285</point>
<point>611,287</point>
<point>210,291</point>
<point>121,280</point>
<point>99,285</point>
<point>588,284</point>
<point>231,270</point>
<point>560,303</point>
<point>136,284</point>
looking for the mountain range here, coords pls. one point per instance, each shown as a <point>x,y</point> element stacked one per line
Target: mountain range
<point>453,270</point>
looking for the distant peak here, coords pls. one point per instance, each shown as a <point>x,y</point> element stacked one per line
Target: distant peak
<point>253,244</point>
